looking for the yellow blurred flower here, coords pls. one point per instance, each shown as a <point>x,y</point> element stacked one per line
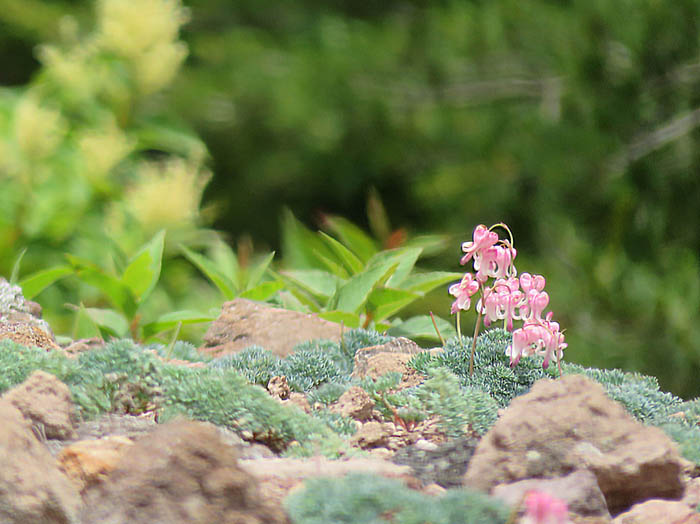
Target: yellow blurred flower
<point>103,148</point>
<point>38,129</point>
<point>166,194</point>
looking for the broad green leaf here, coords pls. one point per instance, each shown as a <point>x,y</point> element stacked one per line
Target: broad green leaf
<point>431,244</point>
<point>386,302</point>
<point>352,295</point>
<point>302,293</point>
<point>226,262</point>
<point>349,320</point>
<point>353,237</point>
<point>406,258</point>
<point>425,282</point>
<point>109,320</point>
<point>256,272</point>
<point>170,320</point>
<point>117,292</point>
<point>206,266</point>
<point>290,302</point>
<point>263,291</point>
<point>317,282</point>
<point>143,272</point>
<point>37,282</point>
<point>346,257</point>
<point>300,246</point>
<point>333,266</point>
<point>84,326</point>
<point>14,274</point>
<point>422,327</point>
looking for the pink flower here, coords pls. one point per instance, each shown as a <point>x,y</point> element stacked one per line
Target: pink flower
<point>543,508</point>
<point>463,291</point>
<point>482,240</point>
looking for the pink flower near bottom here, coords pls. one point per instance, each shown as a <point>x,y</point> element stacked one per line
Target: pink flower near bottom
<point>543,508</point>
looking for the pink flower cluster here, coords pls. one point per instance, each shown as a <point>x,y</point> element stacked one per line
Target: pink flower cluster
<point>509,298</point>
<point>542,508</point>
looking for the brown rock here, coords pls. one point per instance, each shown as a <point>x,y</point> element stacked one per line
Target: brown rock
<point>46,402</point>
<point>659,511</point>
<point>88,462</point>
<point>299,400</point>
<point>373,434</point>
<point>569,424</point>
<point>245,323</point>
<point>31,487</point>
<point>374,361</point>
<point>278,388</point>
<point>181,473</point>
<point>27,335</point>
<point>354,403</point>
<point>579,490</point>
<point>280,476</point>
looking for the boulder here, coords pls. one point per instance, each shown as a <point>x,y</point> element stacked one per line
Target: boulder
<point>354,403</point>
<point>46,402</point>
<point>570,423</point>
<point>88,462</point>
<point>245,323</point>
<point>181,473</point>
<point>661,511</point>
<point>31,487</point>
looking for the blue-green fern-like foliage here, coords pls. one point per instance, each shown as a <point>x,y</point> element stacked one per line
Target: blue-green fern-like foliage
<point>256,364</point>
<point>371,499</point>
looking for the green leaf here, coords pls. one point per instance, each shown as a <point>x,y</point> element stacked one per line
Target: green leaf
<point>263,291</point>
<point>300,246</point>
<point>349,260</point>
<point>353,237</point>
<point>143,272</point>
<point>37,282</point>
<point>109,320</point>
<point>333,266</point>
<point>422,327</point>
<point>406,258</point>
<point>425,282</point>
<point>354,293</point>
<point>226,263</point>
<point>14,274</point>
<point>84,326</point>
<point>321,284</point>
<point>256,273</point>
<point>387,302</point>
<point>349,320</point>
<point>170,320</point>
<point>430,244</point>
<point>117,292</point>
<point>206,266</point>
<point>300,291</point>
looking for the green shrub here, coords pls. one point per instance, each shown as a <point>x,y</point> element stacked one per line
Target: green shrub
<point>18,362</point>
<point>307,369</point>
<point>327,393</point>
<point>256,364</point>
<point>371,499</point>
<point>333,350</point>
<point>459,408</point>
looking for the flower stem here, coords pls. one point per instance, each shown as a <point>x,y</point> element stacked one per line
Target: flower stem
<point>476,334</point>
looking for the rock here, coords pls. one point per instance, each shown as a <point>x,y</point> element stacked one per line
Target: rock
<point>88,462</point>
<point>31,487</point>
<point>278,388</point>
<point>568,424</point>
<point>20,319</point>
<point>579,490</point>
<point>181,473</point>
<point>374,361</point>
<point>354,403</point>
<point>47,403</point>
<point>245,323</point>
<point>280,476</point>
<point>659,511</point>
<point>444,464</point>
<point>373,434</point>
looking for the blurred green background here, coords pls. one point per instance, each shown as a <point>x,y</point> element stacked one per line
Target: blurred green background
<point>575,122</point>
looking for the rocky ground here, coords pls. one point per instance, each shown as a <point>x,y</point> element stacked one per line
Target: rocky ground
<point>564,436</point>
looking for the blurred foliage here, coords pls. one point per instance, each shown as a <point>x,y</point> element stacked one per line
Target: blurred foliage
<point>575,122</point>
